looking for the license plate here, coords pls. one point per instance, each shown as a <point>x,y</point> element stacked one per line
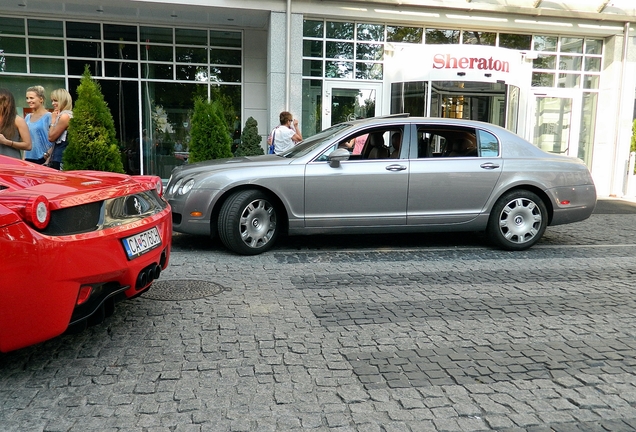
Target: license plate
<point>141,243</point>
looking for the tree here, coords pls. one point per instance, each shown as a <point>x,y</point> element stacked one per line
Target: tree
<point>91,133</point>
<point>209,136</point>
<point>250,140</point>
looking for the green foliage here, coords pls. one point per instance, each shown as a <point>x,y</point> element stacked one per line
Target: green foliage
<point>250,140</point>
<point>209,136</point>
<point>91,134</point>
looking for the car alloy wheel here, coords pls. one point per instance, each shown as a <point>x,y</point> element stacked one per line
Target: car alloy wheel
<point>248,223</point>
<point>518,220</point>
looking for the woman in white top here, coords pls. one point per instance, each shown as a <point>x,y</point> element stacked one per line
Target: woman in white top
<point>58,131</point>
<point>285,135</point>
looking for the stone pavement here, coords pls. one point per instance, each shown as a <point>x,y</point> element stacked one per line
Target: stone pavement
<point>395,333</point>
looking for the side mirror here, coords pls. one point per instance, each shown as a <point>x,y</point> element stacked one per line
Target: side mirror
<point>337,156</point>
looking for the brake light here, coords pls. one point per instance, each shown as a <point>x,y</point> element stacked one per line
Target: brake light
<point>159,186</point>
<point>37,211</point>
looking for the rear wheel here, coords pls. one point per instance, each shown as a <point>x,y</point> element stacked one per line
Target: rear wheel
<point>518,220</point>
<point>248,223</point>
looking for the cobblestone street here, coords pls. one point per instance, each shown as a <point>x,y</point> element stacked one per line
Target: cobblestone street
<point>391,333</point>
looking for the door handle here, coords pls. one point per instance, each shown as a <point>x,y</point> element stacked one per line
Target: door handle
<point>489,166</point>
<point>395,167</point>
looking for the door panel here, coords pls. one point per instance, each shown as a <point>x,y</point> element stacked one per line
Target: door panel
<point>358,193</point>
<point>449,190</point>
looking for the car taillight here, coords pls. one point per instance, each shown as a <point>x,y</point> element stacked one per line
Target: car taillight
<point>37,211</point>
<point>159,187</point>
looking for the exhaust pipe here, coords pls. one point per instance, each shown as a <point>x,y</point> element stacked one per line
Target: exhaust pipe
<point>147,275</point>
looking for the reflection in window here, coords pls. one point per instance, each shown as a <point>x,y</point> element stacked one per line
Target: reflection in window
<point>404,34</point>
<point>157,53</point>
<point>156,34</point>
<point>545,43</point>
<point>339,69</point>
<point>81,30</point>
<point>436,36</point>
<point>572,45</point>
<point>313,28</point>
<point>369,51</point>
<point>312,68</point>
<point>515,41</point>
<point>339,30</point>
<point>542,79</point>
<point>190,37</point>
<point>588,124</point>
<point>120,32</point>
<point>47,66</point>
<point>83,49</point>
<point>370,32</point>
<point>488,144</point>
<point>339,50</point>
<point>371,71</point>
<point>192,73</point>
<point>223,56</point>
<point>569,81</point>
<point>312,48</point>
<point>479,38</point>
<point>13,45</point>
<point>120,51</point>
<point>191,55</point>
<point>544,61</point>
<point>311,122</point>
<point>225,39</point>
<point>53,47</point>
<point>43,28</point>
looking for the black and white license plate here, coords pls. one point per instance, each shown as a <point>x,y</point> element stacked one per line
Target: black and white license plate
<point>141,243</point>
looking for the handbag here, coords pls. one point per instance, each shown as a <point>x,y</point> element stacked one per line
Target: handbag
<point>272,146</point>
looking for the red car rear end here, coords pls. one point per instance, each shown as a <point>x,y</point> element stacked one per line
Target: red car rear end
<point>72,245</point>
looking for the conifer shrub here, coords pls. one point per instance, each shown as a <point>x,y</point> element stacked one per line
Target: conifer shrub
<point>92,141</point>
<point>250,144</point>
<point>209,135</point>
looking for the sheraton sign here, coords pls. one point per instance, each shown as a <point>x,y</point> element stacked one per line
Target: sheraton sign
<point>447,61</point>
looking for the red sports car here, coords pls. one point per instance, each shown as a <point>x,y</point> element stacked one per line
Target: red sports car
<point>73,243</point>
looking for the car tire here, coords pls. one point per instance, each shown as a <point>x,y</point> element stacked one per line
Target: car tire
<point>518,220</point>
<point>248,223</point>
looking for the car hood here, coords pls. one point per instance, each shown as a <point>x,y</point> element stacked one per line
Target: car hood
<point>67,188</point>
<point>230,163</point>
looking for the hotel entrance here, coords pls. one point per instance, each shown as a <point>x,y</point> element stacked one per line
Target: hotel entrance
<point>487,102</point>
<point>456,81</point>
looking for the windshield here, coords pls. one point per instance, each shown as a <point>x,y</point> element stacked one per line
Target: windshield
<point>314,141</point>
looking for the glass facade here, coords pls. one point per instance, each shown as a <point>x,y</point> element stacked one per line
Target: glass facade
<point>149,75</point>
<point>355,52</point>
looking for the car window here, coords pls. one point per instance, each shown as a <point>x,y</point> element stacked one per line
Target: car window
<point>488,144</point>
<point>446,141</point>
<point>372,143</point>
<point>314,141</point>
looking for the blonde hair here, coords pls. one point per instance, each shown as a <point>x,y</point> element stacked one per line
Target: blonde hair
<point>63,98</point>
<point>38,90</point>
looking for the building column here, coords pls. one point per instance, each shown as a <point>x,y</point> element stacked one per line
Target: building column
<point>276,74</point>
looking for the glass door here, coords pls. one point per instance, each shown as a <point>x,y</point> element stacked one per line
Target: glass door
<point>556,121</point>
<point>349,101</point>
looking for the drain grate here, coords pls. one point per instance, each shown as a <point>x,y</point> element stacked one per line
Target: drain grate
<point>183,289</point>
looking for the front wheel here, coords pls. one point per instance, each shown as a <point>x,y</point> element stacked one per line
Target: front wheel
<point>248,223</point>
<point>518,220</point>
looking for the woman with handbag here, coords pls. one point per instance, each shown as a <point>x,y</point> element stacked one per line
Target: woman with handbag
<point>285,135</point>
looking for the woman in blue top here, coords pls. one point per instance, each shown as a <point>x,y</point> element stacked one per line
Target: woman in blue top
<point>38,122</point>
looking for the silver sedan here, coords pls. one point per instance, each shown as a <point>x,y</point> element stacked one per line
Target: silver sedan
<point>385,174</point>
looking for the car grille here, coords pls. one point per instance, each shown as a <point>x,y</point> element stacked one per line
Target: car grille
<point>104,214</point>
